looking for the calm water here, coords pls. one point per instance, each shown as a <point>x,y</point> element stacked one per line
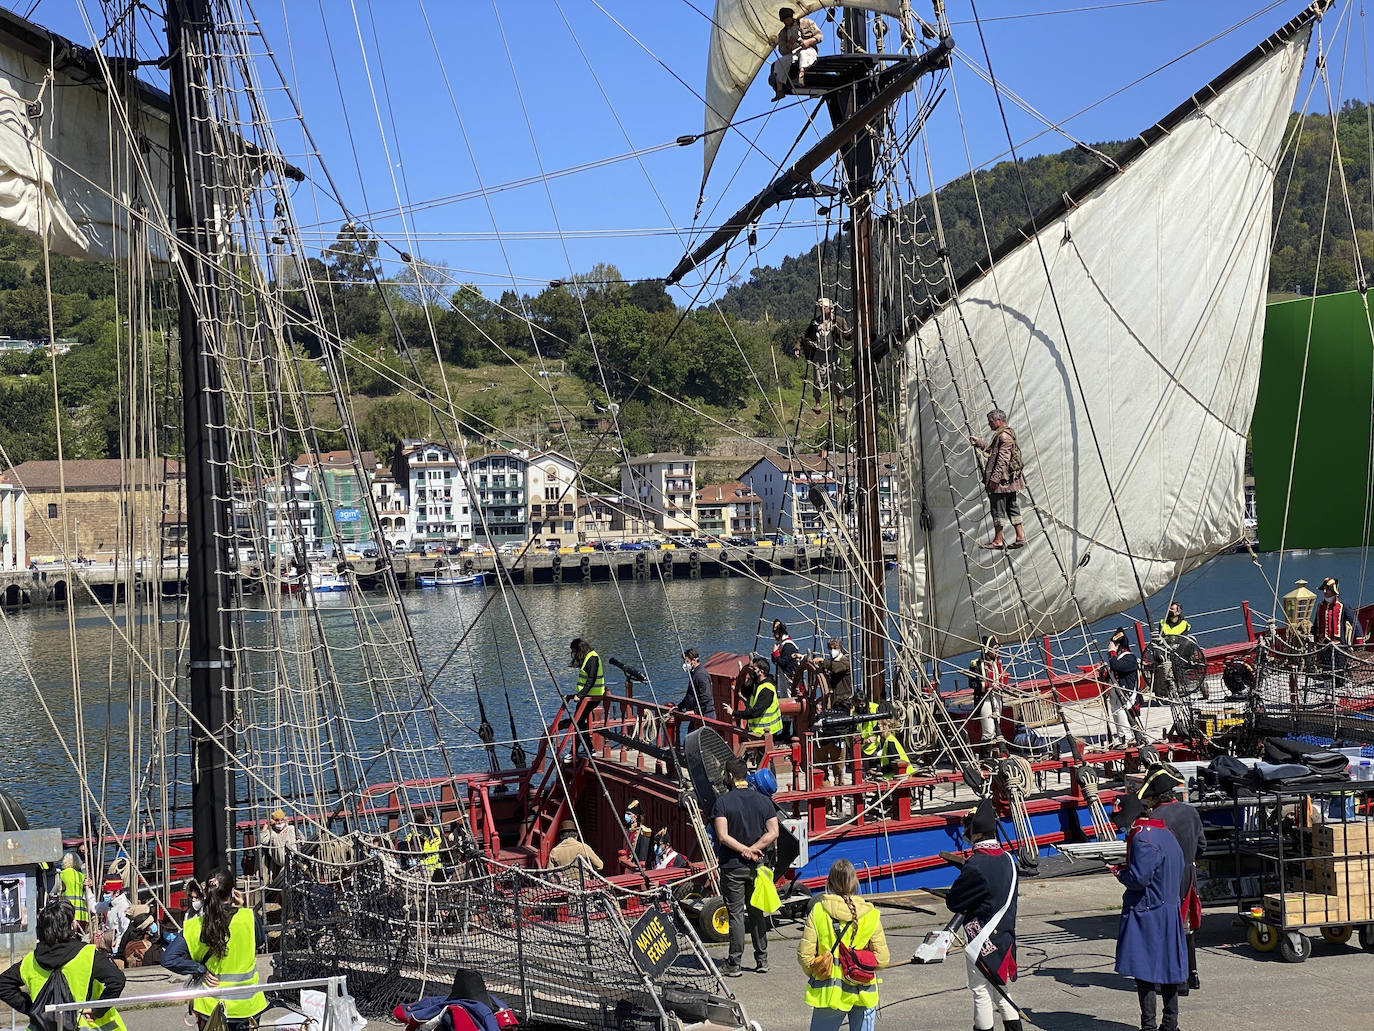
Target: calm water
<point>644,624</point>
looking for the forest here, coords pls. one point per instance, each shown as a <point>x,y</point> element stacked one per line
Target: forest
<point>523,366</point>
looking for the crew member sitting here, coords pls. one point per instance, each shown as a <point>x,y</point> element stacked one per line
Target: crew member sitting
<point>426,841</point>
<point>797,45</point>
<point>763,715</point>
<point>571,852</point>
<point>665,857</point>
<point>892,758</point>
<point>1173,623</point>
<point>640,837</point>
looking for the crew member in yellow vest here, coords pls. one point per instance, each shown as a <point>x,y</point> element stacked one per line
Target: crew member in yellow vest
<point>1173,624</point>
<point>868,732</point>
<point>89,972</point>
<point>427,844</point>
<point>591,685</point>
<point>762,715</point>
<point>220,946</point>
<point>892,758</point>
<point>73,884</point>
<point>835,1001</point>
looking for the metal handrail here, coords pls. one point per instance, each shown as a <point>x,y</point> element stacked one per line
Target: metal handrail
<point>335,988</point>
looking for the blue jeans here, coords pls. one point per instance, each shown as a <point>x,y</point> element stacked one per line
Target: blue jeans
<point>860,1018</point>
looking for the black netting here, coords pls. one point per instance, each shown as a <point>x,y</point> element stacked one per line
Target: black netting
<point>553,953</point>
<point>1318,691</point>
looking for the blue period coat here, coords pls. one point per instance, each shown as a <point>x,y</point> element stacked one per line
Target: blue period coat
<point>1150,945</point>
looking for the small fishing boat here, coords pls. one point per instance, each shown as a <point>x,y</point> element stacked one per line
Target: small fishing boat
<point>451,578</point>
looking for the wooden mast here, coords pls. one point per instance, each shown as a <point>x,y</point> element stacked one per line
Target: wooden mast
<point>208,504</point>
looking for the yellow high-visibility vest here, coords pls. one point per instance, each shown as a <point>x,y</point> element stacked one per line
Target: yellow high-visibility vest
<point>238,966</point>
<point>599,684</point>
<point>771,720</point>
<point>834,992</point>
<point>77,971</point>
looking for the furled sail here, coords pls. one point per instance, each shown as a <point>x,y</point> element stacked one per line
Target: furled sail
<point>1145,342</point>
<point>743,33</point>
<point>64,173</point>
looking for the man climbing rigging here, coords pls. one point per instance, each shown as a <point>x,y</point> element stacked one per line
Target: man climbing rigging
<point>1002,477</point>
<point>820,346</point>
<point>797,48</point>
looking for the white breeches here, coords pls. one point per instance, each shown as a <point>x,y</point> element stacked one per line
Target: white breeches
<point>986,1000</point>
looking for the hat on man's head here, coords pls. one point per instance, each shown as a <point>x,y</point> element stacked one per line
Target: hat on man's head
<point>279,814</point>
<point>1159,782</point>
<point>982,822</point>
<point>567,826</point>
<point>1333,583</point>
<point>1129,808</point>
<point>785,12</point>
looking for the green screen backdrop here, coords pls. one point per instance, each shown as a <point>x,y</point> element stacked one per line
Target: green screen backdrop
<point>1327,443</point>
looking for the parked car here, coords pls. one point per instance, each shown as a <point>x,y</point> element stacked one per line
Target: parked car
<point>631,546</point>
<point>479,549</point>
<point>889,535</point>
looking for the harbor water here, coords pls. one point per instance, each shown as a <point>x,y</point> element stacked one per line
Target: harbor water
<point>517,650</point>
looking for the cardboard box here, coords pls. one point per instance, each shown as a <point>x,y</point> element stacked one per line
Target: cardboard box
<point>1334,839</point>
<point>1298,907</point>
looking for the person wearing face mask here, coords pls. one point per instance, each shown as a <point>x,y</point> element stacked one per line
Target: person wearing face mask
<point>641,838</point>
<point>698,696</point>
<point>277,840</point>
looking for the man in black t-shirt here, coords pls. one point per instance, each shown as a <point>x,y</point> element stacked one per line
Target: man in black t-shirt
<point>745,825</point>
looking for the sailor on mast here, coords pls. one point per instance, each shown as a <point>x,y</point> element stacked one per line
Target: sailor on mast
<point>797,45</point>
<point>1002,477</point>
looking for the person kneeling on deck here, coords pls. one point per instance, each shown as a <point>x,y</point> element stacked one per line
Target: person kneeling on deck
<point>762,715</point>
<point>842,918</point>
<point>745,824</point>
<point>591,684</point>
<point>984,893</point>
<point>89,973</point>
<point>797,46</point>
<point>220,946</point>
<point>571,850</point>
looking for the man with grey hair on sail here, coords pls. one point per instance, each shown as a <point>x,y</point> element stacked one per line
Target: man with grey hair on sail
<point>1002,478</point>
<point>797,46</point>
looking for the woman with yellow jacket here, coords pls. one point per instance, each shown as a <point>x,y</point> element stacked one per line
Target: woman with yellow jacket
<point>833,999</point>
<point>90,975</point>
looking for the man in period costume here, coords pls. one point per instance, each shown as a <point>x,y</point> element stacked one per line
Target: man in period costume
<point>1002,477</point>
<point>1333,629</point>
<point>984,893</point>
<point>820,346</point>
<point>1160,790</point>
<point>798,43</point>
<point>1150,943</point>
<point>987,678</point>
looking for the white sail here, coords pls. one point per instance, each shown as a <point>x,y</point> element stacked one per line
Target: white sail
<point>743,33</point>
<point>1159,278</point>
<point>66,171</point>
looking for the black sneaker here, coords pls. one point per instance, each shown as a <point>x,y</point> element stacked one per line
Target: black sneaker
<point>731,970</point>
<point>761,967</point>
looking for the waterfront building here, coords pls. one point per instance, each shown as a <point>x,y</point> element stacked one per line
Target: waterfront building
<point>497,481</point>
<point>612,517</point>
<point>90,508</point>
<point>664,486</point>
<point>784,485</point>
<point>341,489</point>
<point>280,511</point>
<point>12,533</point>
<point>551,482</point>
<point>392,502</point>
<point>436,486</point>
<point>729,510</point>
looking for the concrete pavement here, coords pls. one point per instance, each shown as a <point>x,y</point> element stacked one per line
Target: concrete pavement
<point>1066,934</point>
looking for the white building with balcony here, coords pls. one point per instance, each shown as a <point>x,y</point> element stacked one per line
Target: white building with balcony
<point>393,509</point>
<point>551,484</point>
<point>436,488</point>
<point>278,516</point>
<point>497,481</point>
<point>784,485</point>
<point>664,486</point>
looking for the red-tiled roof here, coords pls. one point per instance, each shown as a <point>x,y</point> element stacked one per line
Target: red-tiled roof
<point>91,474</point>
<point>726,493</point>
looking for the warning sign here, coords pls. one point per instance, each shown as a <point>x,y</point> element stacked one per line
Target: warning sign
<point>653,942</point>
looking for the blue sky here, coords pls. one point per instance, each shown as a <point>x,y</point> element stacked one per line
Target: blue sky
<point>456,80</point>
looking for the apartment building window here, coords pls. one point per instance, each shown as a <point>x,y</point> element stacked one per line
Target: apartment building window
<point>52,511</point>
<point>551,493</point>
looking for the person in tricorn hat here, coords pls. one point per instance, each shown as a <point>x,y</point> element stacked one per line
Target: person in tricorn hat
<point>985,893</point>
<point>572,849</point>
<point>1150,944</point>
<point>797,48</point>
<point>1123,695</point>
<point>1160,790</point>
<point>1334,630</point>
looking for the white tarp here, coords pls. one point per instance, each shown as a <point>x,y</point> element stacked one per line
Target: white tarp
<point>743,34</point>
<point>1160,277</point>
<point>74,158</point>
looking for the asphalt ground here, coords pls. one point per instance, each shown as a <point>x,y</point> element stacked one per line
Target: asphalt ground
<point>1066,937</point>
